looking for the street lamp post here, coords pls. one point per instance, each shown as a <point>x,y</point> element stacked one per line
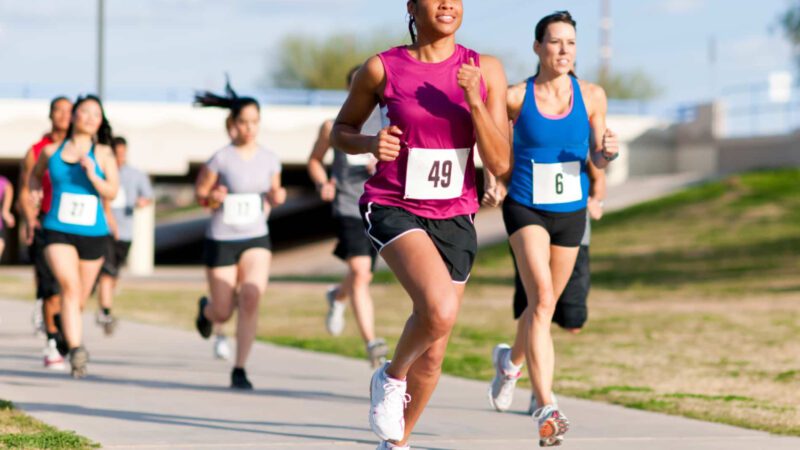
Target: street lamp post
<point>101,25</point>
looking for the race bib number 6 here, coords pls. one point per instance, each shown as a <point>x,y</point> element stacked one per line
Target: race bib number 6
<point>435,174</point>
<point>77,209</point>
<point>556,183</point>
<point>242,209</point>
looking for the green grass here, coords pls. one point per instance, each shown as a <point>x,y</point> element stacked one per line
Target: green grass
<point>694,311</point>
<point>18,430</point>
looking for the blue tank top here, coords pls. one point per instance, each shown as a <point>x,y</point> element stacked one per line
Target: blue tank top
<point>550,154</point>
<point>77,207</point>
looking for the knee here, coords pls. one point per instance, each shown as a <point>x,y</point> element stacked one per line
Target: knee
<point>249,297</point>
<point>440,317</point>
<point>545,304</point>
<point>362,277</point>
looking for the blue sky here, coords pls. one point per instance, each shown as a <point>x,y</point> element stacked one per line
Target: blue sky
<point>177,45</point>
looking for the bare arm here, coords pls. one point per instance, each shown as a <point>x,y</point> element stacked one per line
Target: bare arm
<point>204,190</point>
<point>597,180</point>
<point>110,219</point>
<point>490,118</point>
<point>8,199</point>
<point>603,142</point>
<point>107,188</point>
<point>277,193</point>
<point>316,169</point>
<point>367,87</point>
<point>25,204</point>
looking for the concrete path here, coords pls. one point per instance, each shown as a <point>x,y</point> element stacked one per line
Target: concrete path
<point>154,388</point>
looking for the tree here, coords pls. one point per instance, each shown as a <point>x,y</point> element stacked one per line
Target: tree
<point>312,63</point>
<point>635,85</point>
<point>789,21</point>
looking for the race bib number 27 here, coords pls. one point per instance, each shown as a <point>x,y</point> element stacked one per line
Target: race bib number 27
<point>435,174</point>
<point>77,209</point>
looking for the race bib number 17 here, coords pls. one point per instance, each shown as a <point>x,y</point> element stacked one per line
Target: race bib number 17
<point>435,174</point>
<point>242,209</point>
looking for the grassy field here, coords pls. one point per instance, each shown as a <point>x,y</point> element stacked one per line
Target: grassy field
<point>20,431</point>
<point>695,308</point>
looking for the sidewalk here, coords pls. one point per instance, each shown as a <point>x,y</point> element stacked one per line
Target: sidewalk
<point>158,388</point>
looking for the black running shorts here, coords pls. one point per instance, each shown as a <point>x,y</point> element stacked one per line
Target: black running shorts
<point>571,310</point>
<point>116,254</point>
<point>455,238</point>
<point>353,240</point>
<point>89,248</point>
<point>565,229</point>
<point>46,284</point>
<point>227,253</point>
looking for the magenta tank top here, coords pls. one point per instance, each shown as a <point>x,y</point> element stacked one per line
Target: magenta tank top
<point>434,175</point>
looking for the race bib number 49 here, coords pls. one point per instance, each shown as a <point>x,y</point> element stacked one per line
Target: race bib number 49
<point>242,209</point>
<point>556,183</point>
<point>435,174</point>
<point>77,209</point>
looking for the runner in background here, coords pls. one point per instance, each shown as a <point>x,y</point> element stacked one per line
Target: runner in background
<point>343,189</point>
<point>135,191</point>
<point>7,220</point>
<point>48,303</point>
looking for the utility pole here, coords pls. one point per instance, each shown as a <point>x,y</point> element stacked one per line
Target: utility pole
<point>605,39</point>
<point>101,31</point>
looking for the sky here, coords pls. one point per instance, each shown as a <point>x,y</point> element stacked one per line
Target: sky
<point>161,47</point>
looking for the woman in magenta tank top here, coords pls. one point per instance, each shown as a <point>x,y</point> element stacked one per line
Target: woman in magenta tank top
<point>559,124</point>
<point>441,100</point>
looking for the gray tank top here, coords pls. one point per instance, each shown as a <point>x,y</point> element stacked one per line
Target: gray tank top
<point>350,171</point>
<point>242,215</point>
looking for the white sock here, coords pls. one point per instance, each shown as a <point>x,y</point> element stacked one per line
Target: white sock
<point>509,366</point>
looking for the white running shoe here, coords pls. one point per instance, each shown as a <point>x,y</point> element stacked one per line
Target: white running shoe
<point>501,391</point>
<point>535,401</point>
<point>385,445</point>
<point>222,350</point>
<point>388,399</point>
<point>52,358</point>
<point>552,424</point>
<point>334,322</point>
<point>37,317</point>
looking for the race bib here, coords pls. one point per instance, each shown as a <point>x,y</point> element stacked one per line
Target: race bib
<point>435,174</point>
<point>120,199</point>
<point>555,183</point>
<point>242,209</point>
<point>77,209</point>
<point>361,160</point>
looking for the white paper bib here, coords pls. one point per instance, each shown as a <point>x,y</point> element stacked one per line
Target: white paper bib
<point>242,209</point>
<point>77,209</point>
<point>435,174</point>
<point>556,183</point>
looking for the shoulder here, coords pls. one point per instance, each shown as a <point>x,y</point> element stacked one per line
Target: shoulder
<point>516,92</point>
<point>594,95</point>
<point>103,151</point>
<point>49,149</point>
<point>372,71</point>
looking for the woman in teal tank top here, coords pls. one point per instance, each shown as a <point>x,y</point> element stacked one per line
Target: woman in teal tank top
<point>83,173</point>
<point>559,122</point>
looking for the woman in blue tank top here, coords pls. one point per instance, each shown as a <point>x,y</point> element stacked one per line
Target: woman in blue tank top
<point>83,172</point>
<point>558,121</point>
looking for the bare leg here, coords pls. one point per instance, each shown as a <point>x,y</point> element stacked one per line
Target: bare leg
<point>253,273</point>
<point>360,276</point>
<point>543,286</point>
<point>221,288</point>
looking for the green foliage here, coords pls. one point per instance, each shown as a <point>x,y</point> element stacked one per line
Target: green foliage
<point>789,21</point>
<point>635,85</point>
<point>313,63</point>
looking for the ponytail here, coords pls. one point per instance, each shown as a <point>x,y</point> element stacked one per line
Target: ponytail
<point>230,100</point>
<point>412,25</point>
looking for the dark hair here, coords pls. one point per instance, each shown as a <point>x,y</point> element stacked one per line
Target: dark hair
<point>230,101</point>
<point>55,101</point>
<point>556,17</point>
<point>351,74</point>
<point>412,23</point>
<point>104,133</point>
<point>118,140</point>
